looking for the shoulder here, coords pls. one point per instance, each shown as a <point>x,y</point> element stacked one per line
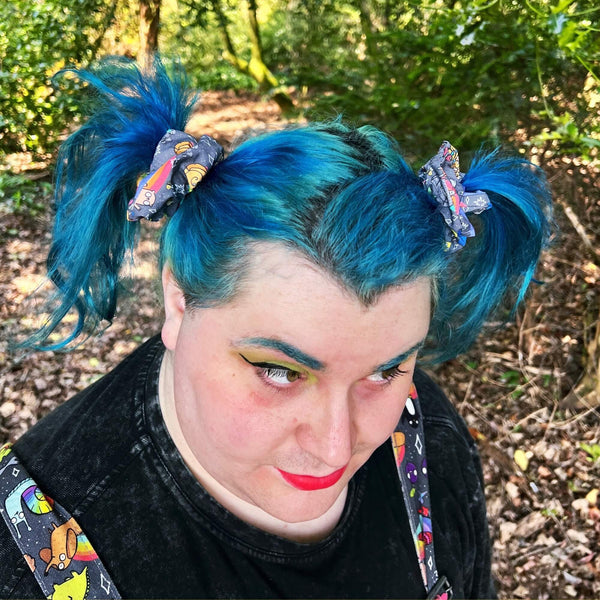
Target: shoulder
<point>94,432</point>
<point>439,414</point>
<point>452,455</point>
<point>78,449</point>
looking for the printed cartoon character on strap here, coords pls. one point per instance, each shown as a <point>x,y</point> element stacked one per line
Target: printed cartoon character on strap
<point>36,521</point>
<point>408,443</point>
<point>67,543</point>
<point>25,491</point>
<point>75,587</point>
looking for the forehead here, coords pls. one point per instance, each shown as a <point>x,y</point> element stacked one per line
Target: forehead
<point>286,297</point>
<point>279,267</point>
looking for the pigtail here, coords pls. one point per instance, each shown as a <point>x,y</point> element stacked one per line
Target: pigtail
<point>98,167</point>
<point>492,273</point>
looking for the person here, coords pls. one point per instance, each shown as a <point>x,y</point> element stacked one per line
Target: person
<point>245,451</point>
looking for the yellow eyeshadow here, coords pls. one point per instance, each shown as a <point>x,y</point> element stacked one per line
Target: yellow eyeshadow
<point>258,357</point>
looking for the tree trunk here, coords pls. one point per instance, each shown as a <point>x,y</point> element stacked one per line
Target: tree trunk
<point>256,67</point>
<point>368,28</point>
<point>589,387</point>
<point>149,25</point>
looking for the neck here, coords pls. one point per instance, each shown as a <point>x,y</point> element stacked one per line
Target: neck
<point>306,531</point>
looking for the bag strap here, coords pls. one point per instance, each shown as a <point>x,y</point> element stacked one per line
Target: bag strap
<point>408,443</point>
<point>51,541</point>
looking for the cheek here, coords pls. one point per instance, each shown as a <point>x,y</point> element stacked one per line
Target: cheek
<point>379,413</point>
<point>239,417</point>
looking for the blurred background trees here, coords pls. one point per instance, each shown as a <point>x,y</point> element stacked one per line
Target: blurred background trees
<point>493,69</point>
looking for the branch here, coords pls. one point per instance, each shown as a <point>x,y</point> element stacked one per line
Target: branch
<point>579,228</point>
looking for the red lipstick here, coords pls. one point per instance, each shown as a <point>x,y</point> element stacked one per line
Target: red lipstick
<point>308,483</point>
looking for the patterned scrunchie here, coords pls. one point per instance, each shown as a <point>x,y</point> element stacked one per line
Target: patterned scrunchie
<point>442,178</point>
<point>179,164</point>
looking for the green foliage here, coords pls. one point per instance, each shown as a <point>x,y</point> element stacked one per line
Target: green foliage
<point>36,39</point>
<point>593,451</point>
<point>21,195</point>
<point>511,378</point>
<point>468,71</point>
<point>422,70</point>
<point>191,35</point>
<point>573,122</point>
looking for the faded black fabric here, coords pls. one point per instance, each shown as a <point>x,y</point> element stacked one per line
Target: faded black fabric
<point>107,457</point>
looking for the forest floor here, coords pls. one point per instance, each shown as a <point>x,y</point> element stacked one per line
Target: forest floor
<point>518,388</point>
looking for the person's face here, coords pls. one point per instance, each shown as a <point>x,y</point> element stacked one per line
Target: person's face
<point>284,392</point>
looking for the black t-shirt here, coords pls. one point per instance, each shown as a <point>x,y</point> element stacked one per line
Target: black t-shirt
<point>107,457</point>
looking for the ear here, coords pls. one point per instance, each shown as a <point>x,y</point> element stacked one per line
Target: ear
<point>174,308</point>
<point>71,543</point>
<point>46,556</point>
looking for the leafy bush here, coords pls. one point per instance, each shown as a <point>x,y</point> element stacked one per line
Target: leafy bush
<point>36,40</point>
<point>21,195</point>
<point>466,71</point>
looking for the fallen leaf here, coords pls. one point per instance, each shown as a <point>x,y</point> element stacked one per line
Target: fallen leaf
<point>521,592</point>
<point>582,506</point>
<point>530,524</point>
<point>507,528</point>
<point>476,434</point>
<point>7,409</point>
<point>577,536</point>
<point>512,490</point>
<point>570,590</point>
<point>592,497</point>
<point>545,540</point>
<point>521,459</point>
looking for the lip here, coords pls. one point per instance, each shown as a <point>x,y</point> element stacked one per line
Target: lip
<point>308,483</point>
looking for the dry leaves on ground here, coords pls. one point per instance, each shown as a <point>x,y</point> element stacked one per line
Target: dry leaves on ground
<point>515,388</point>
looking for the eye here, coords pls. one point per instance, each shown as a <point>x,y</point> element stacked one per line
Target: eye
<point>387,375</point>
<point>279,375</point>
<point>274,374</point>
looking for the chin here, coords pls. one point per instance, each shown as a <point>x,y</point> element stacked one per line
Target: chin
<point>305,506</point>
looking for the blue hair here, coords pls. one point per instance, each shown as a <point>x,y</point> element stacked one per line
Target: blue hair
<point>343,197</point>
<point>96,174</point>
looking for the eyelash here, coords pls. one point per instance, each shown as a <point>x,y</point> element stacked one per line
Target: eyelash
<point>392,374</point>
<point>266,371</point>
<point>269,373</point>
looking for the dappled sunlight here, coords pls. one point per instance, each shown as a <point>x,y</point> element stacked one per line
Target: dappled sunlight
<point>26,285</point>
<point>228,116</point>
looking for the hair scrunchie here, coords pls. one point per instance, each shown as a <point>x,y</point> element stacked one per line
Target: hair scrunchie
<point>442,178</point>
<point>179,164</point>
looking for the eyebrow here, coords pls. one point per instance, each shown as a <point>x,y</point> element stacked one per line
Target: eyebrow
<point>313,363</point>
<point>287,349</point>
<point>397,360</point>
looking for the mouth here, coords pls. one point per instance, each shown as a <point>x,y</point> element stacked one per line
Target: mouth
<point>308,483</point>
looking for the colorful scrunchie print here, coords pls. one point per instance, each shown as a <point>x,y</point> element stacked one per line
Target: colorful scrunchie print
<point>442,178</point>
<point>179,164</point>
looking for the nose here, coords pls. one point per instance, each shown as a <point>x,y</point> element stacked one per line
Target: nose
<point>326,432</point>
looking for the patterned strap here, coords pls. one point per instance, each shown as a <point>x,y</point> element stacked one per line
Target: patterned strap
<point>64,562</point>
<point>408,442</point>
<point>52,543</point>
